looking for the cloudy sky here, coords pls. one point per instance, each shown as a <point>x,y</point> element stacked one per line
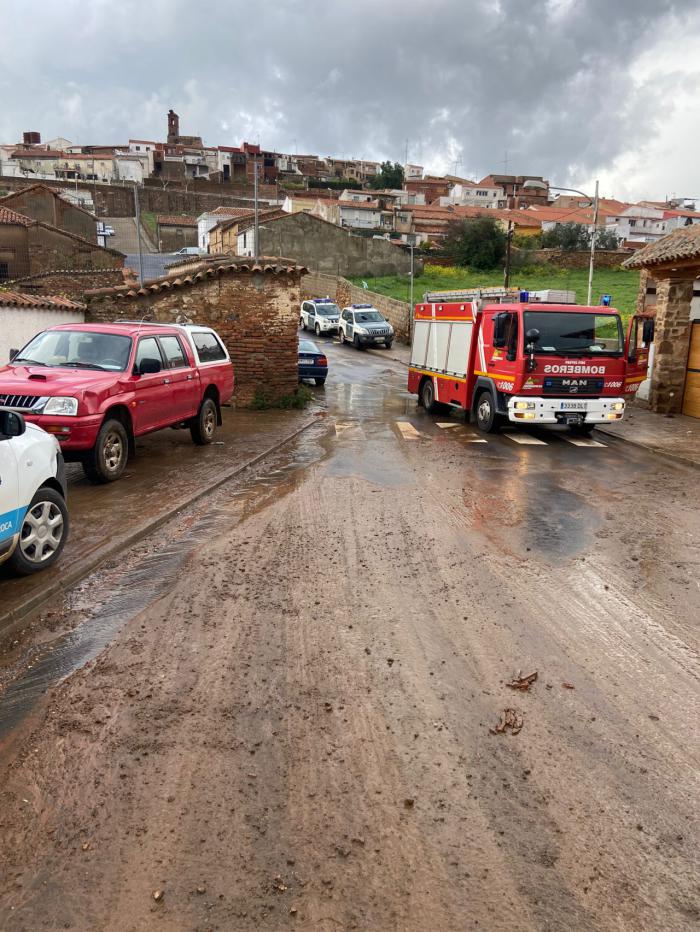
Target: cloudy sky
<point>571,89</point>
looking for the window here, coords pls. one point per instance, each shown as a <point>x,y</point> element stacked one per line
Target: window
<point>148,349</point>
<point>208,347</point>
<point>174,354</point>
<point>4,271</point>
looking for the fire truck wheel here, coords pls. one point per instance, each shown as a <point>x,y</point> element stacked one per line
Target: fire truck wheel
<point>427,397</point>
<point>486,417</point>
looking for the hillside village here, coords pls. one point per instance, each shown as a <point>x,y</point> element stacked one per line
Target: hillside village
<point>343,192</point>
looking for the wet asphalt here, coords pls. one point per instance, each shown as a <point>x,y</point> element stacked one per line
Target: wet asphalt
<point>466,556</point>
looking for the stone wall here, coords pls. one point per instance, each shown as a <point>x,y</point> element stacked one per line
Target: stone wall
<point>673,298</point>
<point>69,283</point>
<point>604,258</point>
<point>325,247</point>
<point>398,313</point>
<point>172,238</point>
<point>53,249</point>
<point>255,313</point>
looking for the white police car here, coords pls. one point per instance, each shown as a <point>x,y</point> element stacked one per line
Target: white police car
<point>33,512</point>
<point>363,325</point>
<point>320,315</point>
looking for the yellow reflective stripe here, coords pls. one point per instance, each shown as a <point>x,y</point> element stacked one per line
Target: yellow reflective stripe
<point>439,375</point>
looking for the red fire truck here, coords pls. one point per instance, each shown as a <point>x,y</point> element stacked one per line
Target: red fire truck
<point>505,357</point>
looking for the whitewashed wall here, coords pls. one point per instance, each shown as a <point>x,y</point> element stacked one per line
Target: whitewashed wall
<point>19,324</point>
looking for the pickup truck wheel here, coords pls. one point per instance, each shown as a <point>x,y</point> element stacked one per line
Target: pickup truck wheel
<point>486,416</point>
<point>203,426</point>
<point>43,533</point>
<point>107,459</point>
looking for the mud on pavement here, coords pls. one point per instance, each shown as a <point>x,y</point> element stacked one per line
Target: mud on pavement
<point>291,719</point>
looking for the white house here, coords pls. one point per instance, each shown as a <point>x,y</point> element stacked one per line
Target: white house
<point>206,222</point>
<point>365,215</point>
<point>468,194</point>
<point>641,224</point>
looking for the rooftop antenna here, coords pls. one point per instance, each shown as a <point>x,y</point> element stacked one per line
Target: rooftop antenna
<point>505,163</point>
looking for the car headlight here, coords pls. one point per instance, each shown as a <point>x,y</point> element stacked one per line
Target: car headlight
<point>361,331</point>
<point>61,405</point>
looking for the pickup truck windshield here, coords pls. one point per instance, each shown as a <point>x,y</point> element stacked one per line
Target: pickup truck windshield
<point>327,310</point>
<point>365,317</point>
<point>78,349</point>
<point>573,334</point>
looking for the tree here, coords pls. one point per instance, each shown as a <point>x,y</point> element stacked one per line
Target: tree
<point>479,243</point>
<point>390,176</point>
<point>569,237</point>
<point>607,239</point>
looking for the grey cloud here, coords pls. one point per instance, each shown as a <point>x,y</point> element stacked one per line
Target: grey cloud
<point>552,82</point>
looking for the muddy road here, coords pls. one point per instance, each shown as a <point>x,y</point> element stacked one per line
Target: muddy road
<point>284,709</point>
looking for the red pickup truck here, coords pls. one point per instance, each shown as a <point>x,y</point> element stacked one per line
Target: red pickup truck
<point>97,387</point>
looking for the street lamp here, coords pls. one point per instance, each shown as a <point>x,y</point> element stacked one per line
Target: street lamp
<point>593,201</point>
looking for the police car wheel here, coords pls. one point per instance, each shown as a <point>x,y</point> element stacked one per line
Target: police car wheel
<point>43,533</point>
<point>341,335</point>
<point>301,322</point>
<point>356,342</point>
<point>318,330</point>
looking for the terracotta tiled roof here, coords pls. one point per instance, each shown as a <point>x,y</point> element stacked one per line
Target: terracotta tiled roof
<point>177,221</point>
<point>681,244</point>
<point>191,274</point>
<point>17,299</point>
<point>12,217</point>
<point>230,211</point>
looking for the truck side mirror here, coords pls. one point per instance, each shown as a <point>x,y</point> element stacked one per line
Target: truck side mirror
<point>648,331</point>
<point>148,366</point>
<point>12,424</point>
<point>499,330</point>
<point>533,335</point>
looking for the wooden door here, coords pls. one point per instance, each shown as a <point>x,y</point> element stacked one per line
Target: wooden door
<point>691,397</point>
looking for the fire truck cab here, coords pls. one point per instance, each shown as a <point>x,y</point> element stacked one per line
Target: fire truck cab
<point>520,359</point>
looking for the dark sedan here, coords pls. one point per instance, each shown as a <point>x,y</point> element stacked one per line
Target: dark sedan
<point>312,363</point>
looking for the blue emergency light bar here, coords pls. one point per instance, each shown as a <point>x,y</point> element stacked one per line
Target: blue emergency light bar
<point>323,300</point>
<point>524,297</point>
<point>361,305</point>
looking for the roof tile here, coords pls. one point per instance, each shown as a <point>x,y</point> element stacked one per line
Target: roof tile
<point>683,243</point>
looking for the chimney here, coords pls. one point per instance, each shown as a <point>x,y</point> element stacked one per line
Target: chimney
<point>173,126</point>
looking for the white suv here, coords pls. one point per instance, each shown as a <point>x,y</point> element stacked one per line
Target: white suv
<point>33,513</point>
<point>320,315</point>
<point>363,325</point>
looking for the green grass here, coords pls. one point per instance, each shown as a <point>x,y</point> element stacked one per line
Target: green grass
<point>297,399</point>
<point>620,283</point>
<point>148,221</point>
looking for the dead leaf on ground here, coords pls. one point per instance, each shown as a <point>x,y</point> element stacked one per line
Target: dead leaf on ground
<point>522,682</point>
<point>568,686</point>
<point>511,720</point>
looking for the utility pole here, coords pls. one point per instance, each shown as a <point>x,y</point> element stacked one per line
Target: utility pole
<point>411,247</point>
<point>137,209</point>
<point>256,225</point>
<point>509,240</point>
<point>594,231</point>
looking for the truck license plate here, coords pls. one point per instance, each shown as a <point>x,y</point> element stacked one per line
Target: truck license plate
<point>573,406</point>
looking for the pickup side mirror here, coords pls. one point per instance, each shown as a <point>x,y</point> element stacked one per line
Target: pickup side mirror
<point>12,424</point>
<point>13,353</point>
<point>148,366</point>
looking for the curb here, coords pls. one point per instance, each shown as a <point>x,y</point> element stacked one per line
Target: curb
<point>656,452</point>
<point>90,563</point>
<point>384,355</point>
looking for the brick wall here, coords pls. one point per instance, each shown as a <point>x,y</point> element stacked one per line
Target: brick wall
<point>579,259</point>
<point>317,285</point>
<point>255,313</point>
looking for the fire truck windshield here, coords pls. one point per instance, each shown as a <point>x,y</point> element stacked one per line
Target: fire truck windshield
<point>572,334</point>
